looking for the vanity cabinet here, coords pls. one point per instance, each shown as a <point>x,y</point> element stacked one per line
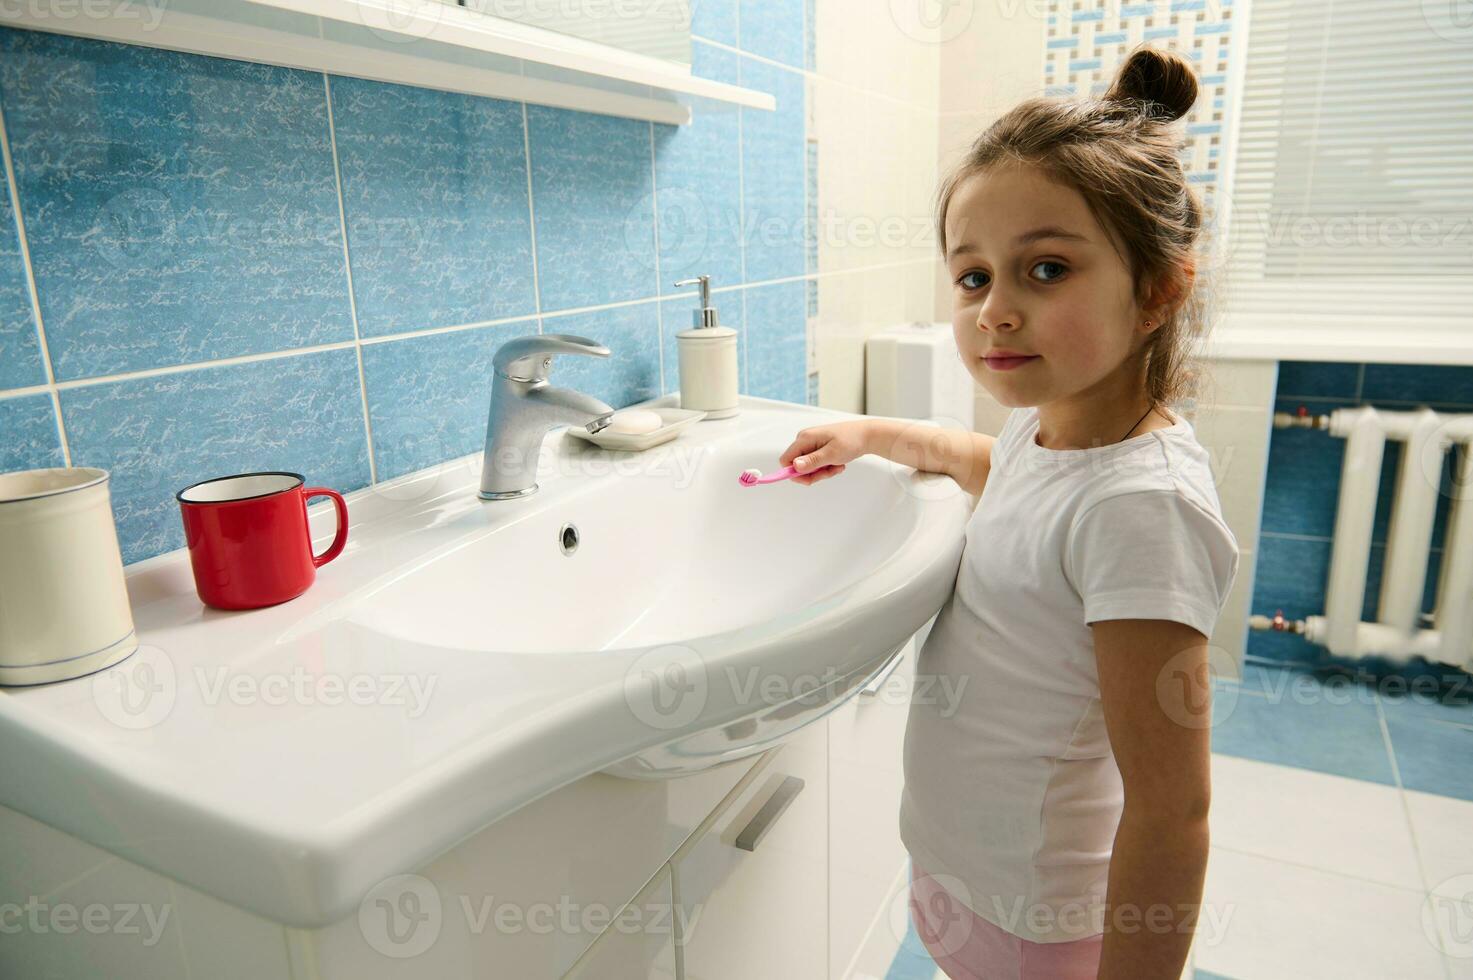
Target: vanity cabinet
<point>783,866</point>
<point>752,886</point>
<point>640,945</point>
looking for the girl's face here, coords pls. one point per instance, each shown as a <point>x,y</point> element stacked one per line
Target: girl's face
<point>1034,273</point>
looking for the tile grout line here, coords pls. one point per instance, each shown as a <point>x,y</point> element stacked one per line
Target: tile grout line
<point>337,176</point>
<point>659,282</point>
<point>807,72</point>
<point>25,253</point>
<point>1401,794</point>
<point>531,216</point>
<point>409,335</point>
<point>744,338</point>
<point>1316,868</point>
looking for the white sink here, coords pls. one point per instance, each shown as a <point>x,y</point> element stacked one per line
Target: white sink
<point>641,614</point>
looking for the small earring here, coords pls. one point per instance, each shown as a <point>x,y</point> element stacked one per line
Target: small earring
<point>1148,324</point>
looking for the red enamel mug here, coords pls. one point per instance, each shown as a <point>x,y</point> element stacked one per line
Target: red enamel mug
<point>248,538</point>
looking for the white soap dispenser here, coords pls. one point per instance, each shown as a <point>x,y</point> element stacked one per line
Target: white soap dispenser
<point>708,360</point>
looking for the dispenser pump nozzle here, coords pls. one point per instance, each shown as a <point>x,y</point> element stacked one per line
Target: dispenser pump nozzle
<point>706,316</point>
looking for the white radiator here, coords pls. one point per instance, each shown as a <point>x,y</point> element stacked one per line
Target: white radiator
<point>1398,631</point>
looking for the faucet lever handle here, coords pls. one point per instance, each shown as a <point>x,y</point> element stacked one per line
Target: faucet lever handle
<point>528,358</point>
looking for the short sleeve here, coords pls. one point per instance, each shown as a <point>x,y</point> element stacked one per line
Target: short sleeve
<point>1152,554</point>
<point>1005,437</point>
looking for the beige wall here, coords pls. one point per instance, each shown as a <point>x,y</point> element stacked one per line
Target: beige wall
<point>893,101</point>
<point>873,104</point>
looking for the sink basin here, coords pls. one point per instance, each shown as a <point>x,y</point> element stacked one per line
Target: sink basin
<point>642,615</point>
<point>647,561</point>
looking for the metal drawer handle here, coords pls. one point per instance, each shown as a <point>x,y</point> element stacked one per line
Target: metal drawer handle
<point>779,801</point>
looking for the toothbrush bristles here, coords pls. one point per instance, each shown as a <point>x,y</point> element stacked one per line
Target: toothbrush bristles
<point>750,477</point>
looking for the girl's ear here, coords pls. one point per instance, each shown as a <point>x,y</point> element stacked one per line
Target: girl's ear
<point>1168,291</point>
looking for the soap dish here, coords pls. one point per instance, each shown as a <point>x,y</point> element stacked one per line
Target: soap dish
<point>674,420</point>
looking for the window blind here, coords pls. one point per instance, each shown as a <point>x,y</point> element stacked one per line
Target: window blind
<point>1351,198</point>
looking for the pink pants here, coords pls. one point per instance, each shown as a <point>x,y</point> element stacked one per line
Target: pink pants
<point>968,947</point>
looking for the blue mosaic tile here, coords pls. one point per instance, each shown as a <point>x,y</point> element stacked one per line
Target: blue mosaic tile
<point>714,20</point>
<point>1289,574</point>
<point>774,30</point>
<point>594,208</point>
<point>1424,383</point>
<point>675,316</point>
<point>631,372</point>
<point>699,194</point>
<point>28,436</point>
<point>777,332</point>
<point>1432,755</point>
<point>435,196</point>
<point>428,396</point>
<point>1313,379</point>
<point>1289,717</point>
<point>178,208</point>
<point>1421,690</point>
<point>160,434</point>
<point>20,350</point>
<point>774,155</point>
<point>1302,483</point>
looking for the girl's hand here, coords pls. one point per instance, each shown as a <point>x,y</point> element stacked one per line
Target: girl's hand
<point>821,451</point>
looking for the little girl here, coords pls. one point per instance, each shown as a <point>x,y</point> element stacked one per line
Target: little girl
<point>1055,809</point>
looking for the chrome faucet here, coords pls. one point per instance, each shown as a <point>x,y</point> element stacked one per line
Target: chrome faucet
<point>524,407</point>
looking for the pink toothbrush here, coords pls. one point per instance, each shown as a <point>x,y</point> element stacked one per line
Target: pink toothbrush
<point>751,478</point>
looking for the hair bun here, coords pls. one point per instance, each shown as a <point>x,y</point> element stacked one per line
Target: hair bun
<point>1162,82</point>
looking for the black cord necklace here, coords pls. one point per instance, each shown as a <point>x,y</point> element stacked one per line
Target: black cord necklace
<point>1138,422</point>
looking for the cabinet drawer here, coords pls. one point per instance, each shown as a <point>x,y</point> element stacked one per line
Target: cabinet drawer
<point>866,777</point>
<point>639,944</point>
<point>526,896</point>
<point>761,912</point>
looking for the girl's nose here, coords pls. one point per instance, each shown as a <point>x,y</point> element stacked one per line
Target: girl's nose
<point>998,313</point>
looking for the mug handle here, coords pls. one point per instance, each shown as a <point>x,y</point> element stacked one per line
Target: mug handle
<point>336,548</point>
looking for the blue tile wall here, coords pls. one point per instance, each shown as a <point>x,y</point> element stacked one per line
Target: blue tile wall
<point>30,439</point>
<point>774,175</point>
<point>700,187</point>
<point>714,20</point>
<point>435,198</point>
<point>244,267</point>
<point>777,337</point>
<point>593,184</point>
<point>632,374</point>
<point>20,352</point>
<point>1301,491</point>
<point>161,433</point>
<point>774,29</point>
<point>177,208</point>
<point>428,395</point>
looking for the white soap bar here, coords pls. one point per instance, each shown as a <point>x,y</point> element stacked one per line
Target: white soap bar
<point>634,421</point>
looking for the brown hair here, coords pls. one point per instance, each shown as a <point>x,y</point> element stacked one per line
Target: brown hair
<point>1120,153</point>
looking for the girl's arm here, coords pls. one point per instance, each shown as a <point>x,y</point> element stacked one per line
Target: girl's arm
<point>1156,694</point>
<point>820,452</point>
<point>964,456</point>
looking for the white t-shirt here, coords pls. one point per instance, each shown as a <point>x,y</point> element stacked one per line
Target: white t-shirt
<point>1012,794</point>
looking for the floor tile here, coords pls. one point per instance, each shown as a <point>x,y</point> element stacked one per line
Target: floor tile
<point>1291,718</point>
<point>1315,819</point>
<point>1286,922</point>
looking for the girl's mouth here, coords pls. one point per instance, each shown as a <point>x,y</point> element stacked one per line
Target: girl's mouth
<point>1007,363</point>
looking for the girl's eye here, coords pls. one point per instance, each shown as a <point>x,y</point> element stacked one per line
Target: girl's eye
<point>968,285</point>
<point>1057,265</point>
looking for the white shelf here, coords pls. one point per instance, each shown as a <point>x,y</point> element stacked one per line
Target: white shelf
<point>413,42</point>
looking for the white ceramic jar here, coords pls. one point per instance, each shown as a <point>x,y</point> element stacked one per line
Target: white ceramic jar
<point>63,598</point>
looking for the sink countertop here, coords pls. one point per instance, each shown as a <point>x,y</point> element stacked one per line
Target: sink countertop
<point>286,759</point>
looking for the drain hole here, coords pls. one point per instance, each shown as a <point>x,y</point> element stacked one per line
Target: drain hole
<point>568,539</point>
